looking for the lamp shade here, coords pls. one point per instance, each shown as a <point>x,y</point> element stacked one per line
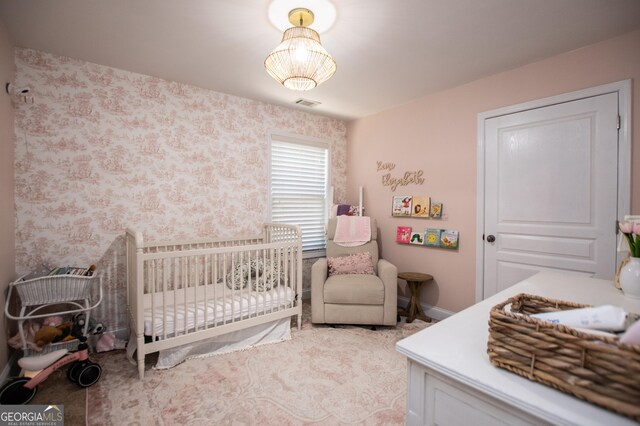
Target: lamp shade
<point>300,62</point>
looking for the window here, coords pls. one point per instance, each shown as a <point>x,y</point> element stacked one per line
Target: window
<point>299,182</point>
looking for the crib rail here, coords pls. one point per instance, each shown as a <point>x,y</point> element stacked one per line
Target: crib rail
<point>274,232</point>
<point>173,246</point>
<point>189,288</point>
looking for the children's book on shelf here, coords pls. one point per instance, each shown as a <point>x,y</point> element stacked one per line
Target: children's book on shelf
<point>420,206</point>
<point>417,238</point>
<point>432,237</point>
<point>401,205</point>
<point>403,233</point>
<point>449,239</point>
<point>436,210</point>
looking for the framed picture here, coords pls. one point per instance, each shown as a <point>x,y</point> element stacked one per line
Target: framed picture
<point>401,205</point>
<point>420,206</point>
<point>403,234</point>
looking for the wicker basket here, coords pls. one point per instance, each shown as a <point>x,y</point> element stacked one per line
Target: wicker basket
<point>54,289</point>
<point>597,369</point>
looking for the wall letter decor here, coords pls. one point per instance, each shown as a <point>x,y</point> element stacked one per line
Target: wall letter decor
<point>409,178</point>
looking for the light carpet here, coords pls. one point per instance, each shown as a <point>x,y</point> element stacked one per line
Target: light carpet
<point>323,375</point>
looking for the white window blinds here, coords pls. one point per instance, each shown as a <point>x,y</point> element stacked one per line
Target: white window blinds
<point>299,181</point>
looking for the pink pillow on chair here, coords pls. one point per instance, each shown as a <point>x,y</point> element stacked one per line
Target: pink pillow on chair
<point>358,263</point>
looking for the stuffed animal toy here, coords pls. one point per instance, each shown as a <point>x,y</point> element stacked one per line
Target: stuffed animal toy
<point>105,343</point>
<point>37,335</point>
<point>47,334</point>
<point>67,332</point>
<point>54,330</point>
<point>79,321</point>
<point>53,321</point>
<point>109,342</point>
<point>30,330</point>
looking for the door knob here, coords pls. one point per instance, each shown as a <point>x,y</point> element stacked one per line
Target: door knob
<point>490,238</point>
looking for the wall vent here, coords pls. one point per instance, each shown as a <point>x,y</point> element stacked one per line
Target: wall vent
<point>306,102</point>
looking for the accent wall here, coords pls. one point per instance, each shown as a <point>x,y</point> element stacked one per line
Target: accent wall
<point>103,149</point>
<point>437,134</point>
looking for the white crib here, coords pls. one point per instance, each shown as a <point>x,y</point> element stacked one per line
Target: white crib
<point>184,292</point>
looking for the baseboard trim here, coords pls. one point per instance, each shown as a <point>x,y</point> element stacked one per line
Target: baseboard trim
<point>431,311</point>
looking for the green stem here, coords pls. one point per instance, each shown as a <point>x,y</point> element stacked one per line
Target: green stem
<point>633,247</point>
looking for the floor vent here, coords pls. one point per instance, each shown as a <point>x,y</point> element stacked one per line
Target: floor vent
<point>306,102</point>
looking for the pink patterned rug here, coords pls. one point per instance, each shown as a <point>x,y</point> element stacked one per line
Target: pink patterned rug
<point>323,375</point>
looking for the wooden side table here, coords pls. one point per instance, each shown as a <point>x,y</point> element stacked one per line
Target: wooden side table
<point>414,280</point>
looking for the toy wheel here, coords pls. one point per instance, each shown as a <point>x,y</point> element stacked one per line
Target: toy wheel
<point>14,392</point>
<point>89,374</point>
<point>74,371</point>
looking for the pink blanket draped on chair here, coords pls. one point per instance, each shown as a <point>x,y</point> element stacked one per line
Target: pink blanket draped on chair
<point>352,231</point>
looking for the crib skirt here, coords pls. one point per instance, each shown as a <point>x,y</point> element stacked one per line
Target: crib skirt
<point>261,334</point>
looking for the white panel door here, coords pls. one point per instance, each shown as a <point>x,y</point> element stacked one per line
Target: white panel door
<point>551,191</point>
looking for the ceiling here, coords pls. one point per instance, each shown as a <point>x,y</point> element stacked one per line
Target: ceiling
<point>388,52</point>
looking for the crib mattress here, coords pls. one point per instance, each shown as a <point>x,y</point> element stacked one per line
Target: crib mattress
<point>195,315</point>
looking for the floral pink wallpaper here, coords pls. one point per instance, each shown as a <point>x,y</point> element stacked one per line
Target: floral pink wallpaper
<point>103,149</point>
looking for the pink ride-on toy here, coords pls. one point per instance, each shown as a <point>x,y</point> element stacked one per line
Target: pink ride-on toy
<point>37,369</point>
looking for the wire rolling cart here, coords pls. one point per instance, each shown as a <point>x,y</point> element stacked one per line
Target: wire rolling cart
<point>71,293</point>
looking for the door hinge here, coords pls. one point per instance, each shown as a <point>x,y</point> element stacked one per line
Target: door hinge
<point>618,122</point>
<point>617,226</point>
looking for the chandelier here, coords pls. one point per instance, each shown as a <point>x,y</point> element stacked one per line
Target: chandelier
<point>300,62</point>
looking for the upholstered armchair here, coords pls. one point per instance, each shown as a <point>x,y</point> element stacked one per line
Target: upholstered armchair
<point>354,298</point>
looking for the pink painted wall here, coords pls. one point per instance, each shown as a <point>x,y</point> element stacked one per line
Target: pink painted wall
<point>437,133</point>
<point>7,223</point>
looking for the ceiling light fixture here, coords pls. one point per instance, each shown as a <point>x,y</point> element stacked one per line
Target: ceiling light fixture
<point>300,62</point>
<point>323,10</point>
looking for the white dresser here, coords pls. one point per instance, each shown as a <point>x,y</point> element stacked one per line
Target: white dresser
<point>452,382</point>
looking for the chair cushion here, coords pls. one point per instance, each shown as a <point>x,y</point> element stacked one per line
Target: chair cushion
<point>357,263</point>
<point>334,250</point>
<point>354,289</point>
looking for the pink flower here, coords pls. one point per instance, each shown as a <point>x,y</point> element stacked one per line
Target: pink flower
<point>631,232</point>
<point>626,227</point>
